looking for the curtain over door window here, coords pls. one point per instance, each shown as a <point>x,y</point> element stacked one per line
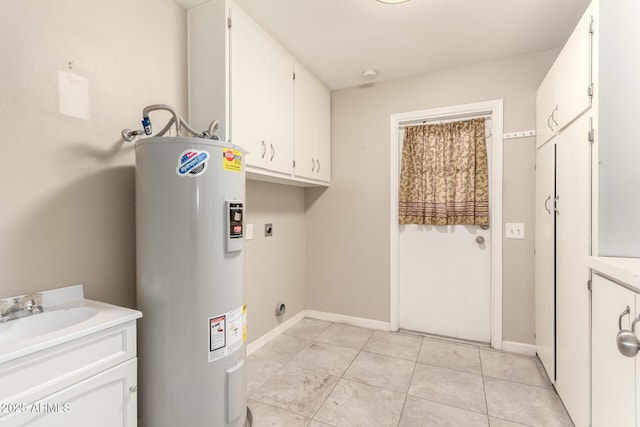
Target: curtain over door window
<point>444,174</point>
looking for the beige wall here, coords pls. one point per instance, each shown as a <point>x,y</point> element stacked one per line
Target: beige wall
<point>67,202</point>
<point>66,184</point>
<point>348,224</point>
<point>275,270</point>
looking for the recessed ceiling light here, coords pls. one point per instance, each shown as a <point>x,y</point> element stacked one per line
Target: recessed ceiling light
<point>392,1</point>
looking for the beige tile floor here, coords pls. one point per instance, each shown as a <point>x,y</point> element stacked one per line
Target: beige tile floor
<point>320,374</point>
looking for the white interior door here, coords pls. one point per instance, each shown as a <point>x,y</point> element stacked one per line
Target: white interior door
<point>445,278</point>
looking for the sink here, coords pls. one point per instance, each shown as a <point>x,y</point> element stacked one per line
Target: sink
<point>66,316</point>
<point>42,323</point>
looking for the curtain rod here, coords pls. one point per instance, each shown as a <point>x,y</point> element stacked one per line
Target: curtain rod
<point>445,119</point>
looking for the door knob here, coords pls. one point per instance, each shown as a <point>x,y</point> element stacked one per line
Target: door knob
<point>480,240</point>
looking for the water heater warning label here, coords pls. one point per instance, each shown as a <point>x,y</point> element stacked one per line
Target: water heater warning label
<point>232,160</point>
<point>192,163</point>
<point>227,332</point>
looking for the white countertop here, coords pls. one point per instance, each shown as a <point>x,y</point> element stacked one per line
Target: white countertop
<point>625,270</point>
<point>57,302</point>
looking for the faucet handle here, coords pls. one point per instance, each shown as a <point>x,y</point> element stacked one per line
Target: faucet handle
<point>32,302</point>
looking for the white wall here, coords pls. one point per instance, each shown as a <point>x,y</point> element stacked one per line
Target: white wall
<point>619,144</point>
<point>66,184</point>
<point>348,224</point>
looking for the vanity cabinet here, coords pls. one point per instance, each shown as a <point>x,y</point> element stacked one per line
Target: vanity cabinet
<point>614,379</point>
<point>266,102</point>
<point>88,381</point>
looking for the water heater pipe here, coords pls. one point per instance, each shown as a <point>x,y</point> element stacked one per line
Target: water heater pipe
<point>129,135</point>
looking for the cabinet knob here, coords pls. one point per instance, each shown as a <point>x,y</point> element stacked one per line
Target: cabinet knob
<point>133,388</point>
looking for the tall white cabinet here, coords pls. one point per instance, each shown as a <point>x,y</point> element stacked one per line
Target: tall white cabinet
<point>267,102</point>
<point>563,219</point>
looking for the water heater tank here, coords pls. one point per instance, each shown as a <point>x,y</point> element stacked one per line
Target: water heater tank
<point>190,282</point>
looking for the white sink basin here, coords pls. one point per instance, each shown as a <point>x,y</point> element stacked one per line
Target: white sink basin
<point>66,316</point>
<point>42,323</point>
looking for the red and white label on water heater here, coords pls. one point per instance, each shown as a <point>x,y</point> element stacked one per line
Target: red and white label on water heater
<point>227,332</point>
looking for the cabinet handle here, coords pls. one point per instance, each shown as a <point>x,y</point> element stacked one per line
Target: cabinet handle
<point>553,114</point>
<point>133,388</point>
<point>264,149</point>
<point>548,123</point>
<point>313,165</point>
<point>545,204</point>
<point>273,152</point>
<point>318,166</point>
<point>627,341</point>
<point>624,313</point>
<point>555,204</point>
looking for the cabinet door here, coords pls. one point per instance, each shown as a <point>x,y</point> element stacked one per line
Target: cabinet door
<point>573,77</point>
<point>546,109</point>
<point>544,257</point>
<point>306,129</point>
<point>247,88</point>
<point>261,97</point>
<point>573,230</point>
<point>104,400</point>
<point>613,375</point>
<point>323,142</point>
<point>312,128</point>
<point>277,106</point>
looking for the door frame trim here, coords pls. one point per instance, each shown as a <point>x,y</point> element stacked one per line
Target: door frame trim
<point>495,109</point>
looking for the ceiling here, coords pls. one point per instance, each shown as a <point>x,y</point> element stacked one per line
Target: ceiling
<point>338,39</point>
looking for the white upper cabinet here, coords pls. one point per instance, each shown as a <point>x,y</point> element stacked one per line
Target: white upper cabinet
<point>261,96</point>
<point>546,126</point>
<point>312,124</point>
<point>239,75</point>
<point>566,92</point>
<point>573,73</point>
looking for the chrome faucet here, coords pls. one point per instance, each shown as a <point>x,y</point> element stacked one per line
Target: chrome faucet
<point>21,307</point>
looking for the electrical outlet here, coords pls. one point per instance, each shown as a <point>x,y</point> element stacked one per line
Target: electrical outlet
<point>514,230</point>
<point>268,230</point>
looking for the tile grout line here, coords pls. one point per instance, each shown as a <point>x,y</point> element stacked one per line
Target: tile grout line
<point>406,395</point>
<point>484,387</point>
<point>313,417</point>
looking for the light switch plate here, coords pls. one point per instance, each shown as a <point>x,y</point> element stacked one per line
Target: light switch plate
<point>514,230</point>
<point>248,231</point>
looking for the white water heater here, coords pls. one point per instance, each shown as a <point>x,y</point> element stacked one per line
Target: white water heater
<point>190,282</point>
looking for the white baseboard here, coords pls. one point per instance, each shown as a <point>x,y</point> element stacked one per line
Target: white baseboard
<point>349,320</point>
<point>278,330</point>
<point>518,347</point>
